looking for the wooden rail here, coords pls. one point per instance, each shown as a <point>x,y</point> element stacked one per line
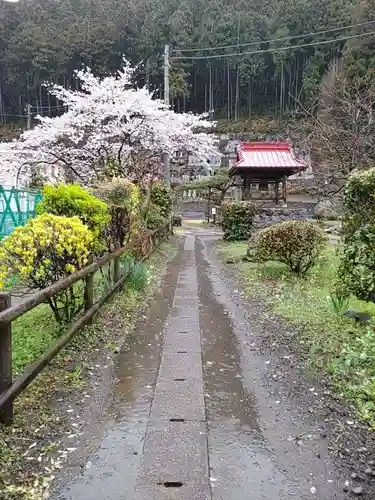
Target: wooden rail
<point>10,389</point>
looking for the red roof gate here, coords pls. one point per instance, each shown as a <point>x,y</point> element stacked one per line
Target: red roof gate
<point>265,163</point>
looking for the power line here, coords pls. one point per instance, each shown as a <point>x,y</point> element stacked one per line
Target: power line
<point>278,49</point>
<point>47,107</point>
<point>275,39</point>
<point>10,114</point>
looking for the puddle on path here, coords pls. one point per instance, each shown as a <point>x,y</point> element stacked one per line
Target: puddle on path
<point>111,473</point>
<point>243,461</point>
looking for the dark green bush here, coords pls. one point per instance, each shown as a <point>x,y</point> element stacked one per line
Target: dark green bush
<point>154,218</point>
<point>295,243</point>
<point>357,268</point>
<point>359,202</point>
<point>237,220</point>
<point>162,197</point>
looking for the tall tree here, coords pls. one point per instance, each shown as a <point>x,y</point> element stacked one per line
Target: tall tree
<point>48,40</point>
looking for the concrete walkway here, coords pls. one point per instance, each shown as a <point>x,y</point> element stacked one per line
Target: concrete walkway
<point>175,457</point>
<point>194,416</point>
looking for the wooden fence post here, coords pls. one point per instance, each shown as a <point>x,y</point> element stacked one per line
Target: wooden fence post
<point>6,416</point>
<point>89,292</point>
<point>116,269</point>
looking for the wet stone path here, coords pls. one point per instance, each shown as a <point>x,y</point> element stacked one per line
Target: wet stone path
<point>175,457</point>
<point>192,417</point>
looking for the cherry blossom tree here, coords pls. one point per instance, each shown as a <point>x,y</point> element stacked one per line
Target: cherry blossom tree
<point>110,128</point>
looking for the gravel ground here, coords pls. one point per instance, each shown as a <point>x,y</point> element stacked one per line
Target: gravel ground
<point>350,443</point>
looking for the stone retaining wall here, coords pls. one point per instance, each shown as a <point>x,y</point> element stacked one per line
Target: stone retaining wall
<point>269,216</point>
<point>191,205</point>
<point>302,206</point>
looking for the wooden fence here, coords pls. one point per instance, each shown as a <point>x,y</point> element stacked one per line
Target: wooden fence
<point>10,389</point>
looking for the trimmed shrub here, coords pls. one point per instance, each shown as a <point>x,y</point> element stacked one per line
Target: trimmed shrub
<point>154,218</point>
<point>46,249</point>
<point>72,200</point>
<point>357,268</point>
<point>237,220</point>
<point>162,197</point>
<point>295,243</point>
<point>123,199</point>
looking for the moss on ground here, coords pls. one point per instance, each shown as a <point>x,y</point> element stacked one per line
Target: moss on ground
<point>331,342</point>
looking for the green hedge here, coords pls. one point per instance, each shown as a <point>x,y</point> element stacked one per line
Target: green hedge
<point>237,220</point>
<point>162,197</point>
<point>357,269</point>
<point>154,218</point>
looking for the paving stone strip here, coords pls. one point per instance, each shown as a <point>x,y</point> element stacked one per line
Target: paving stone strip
<point>175,456</point>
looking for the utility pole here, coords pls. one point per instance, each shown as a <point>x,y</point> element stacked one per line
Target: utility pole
<point>2,112</point>
<point>210,98</point>
<point>28,109</point>
<point>229,96</point>
<point>167,167</point>
<point>282,91</point>
<point>237,75</point>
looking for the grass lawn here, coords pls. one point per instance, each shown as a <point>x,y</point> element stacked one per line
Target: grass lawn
<point>332,342</point>
<point>32,333</point>
<point>36,330</point>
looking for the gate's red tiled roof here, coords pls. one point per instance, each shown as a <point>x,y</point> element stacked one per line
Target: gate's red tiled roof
<point>267,155</point>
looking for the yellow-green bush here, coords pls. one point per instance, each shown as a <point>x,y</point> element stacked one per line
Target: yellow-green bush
<point>295,243</point>
<point>46,249</point>
<point>72,200</point>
